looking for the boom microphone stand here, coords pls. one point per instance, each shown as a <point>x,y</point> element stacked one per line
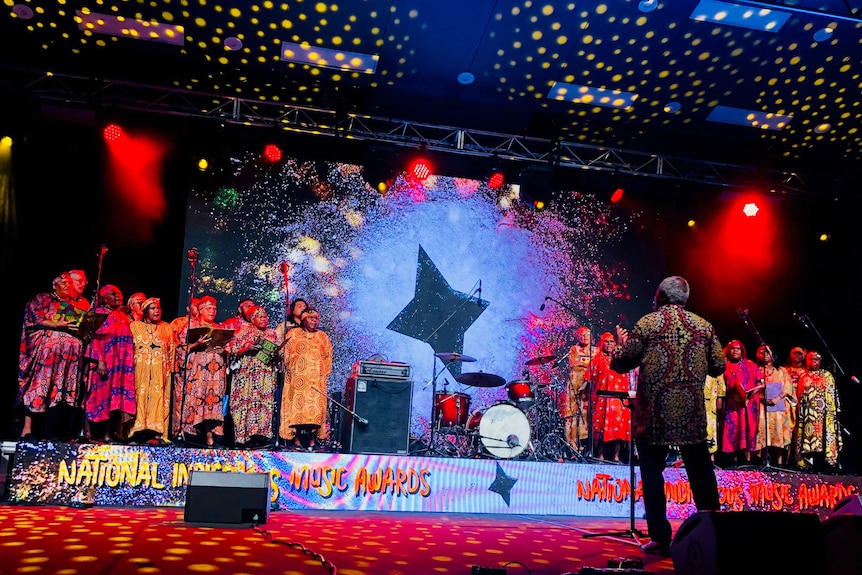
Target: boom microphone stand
<point>192,256</point>
<point>806,322</point>
<point>761,410</point>
<point>588,450</point>
<point>631,531</point>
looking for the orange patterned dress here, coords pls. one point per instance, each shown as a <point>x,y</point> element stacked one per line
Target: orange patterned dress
<point>308,363</point>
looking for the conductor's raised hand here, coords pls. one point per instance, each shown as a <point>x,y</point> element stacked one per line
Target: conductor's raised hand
<point>621,335</point>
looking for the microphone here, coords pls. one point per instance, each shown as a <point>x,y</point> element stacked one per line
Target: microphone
<point>361,420</point>
<point>282,267</point>
<point>743,314</point>
<point>103,250</point>
<point>512,440</point>
<point>542,307</point>
<point>479,299</point>
<point>854,379</point>
<point>192,255</point>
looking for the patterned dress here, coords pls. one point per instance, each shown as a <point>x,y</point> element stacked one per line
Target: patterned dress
<point>611,419</point>
<point>49,359</point>
<point>576,407</point>
<point>781,422</point>
<point>201,404</point>
<point>113,345</point>
<point>308,363</point>
<point>817,429</point>
<point>740,412</point>
<point>712,390</point>
<point>253,384</point>
<point>154,361</point>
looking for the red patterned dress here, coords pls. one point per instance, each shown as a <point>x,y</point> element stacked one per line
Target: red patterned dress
<point>611,419</point>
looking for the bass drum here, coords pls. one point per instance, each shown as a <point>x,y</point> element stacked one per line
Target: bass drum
<point>504,430</point>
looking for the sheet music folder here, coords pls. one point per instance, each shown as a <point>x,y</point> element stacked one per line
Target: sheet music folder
<point>219,336</point>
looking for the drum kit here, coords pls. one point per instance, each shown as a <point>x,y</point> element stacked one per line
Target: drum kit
<point>527,424</point>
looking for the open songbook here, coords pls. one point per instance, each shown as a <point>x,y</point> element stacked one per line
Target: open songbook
<point>219,336</point>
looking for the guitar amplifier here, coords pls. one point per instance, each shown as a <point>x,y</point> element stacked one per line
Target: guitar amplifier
<point>382,370</point>
<point>386,405</point>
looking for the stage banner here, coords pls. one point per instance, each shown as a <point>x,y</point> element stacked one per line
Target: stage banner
<point>84,475</point>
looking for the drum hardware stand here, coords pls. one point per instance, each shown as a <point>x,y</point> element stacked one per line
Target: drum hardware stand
<point>632,532</point>
<point>553,446</point>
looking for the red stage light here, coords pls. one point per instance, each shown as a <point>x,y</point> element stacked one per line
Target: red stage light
<point>421,168</point>
<point>496,180</point>
<point>272,153</point>
<point>617,195</point>
<point>750,209</point>
<point>112,133</point>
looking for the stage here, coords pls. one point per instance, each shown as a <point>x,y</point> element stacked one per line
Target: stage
<point>85,508</point>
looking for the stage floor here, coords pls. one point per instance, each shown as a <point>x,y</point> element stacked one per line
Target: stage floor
<point>126,540</point>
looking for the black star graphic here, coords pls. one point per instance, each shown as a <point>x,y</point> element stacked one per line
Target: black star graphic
<point>502,484</point>
<point>437,314</point>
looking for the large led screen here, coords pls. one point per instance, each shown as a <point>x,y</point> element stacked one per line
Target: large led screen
<point>445,266</point>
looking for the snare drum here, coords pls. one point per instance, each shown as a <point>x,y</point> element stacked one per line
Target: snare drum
<point>520,392</point>
<point>452,409</point>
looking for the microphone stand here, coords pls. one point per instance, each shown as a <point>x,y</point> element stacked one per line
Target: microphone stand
<point>193,260</point>
<point>808,324</point>
<point>434,415</point>
<point>87,334</point>
<point>762,404</point>
<point>588,450</point>
<point>279,382</point>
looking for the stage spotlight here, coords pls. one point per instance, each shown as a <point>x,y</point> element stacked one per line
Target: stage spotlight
<point>6,141</point>
<point>112,133</point>
<point>750,209</point>
<point>824,237</point>
<point>420,168</point>
<point>203,164</point>
<point>379,170</point>
<point>536,186</point>
<point>272,153</point>
<point>617,195</point>
<point>496,179</point>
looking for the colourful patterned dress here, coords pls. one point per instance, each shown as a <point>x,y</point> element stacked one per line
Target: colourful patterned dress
<point>781,423</point>
<point>611,419</point>
<point>113,345</point>
<point>201,405</point>
<point>49,359</point>
<point>576,407</point>
<point>253,384</point>
<point>308,363</point>
<point>740,412</point>
<point>154,361</point>
<point>712,390</point>
<point>817,429</point>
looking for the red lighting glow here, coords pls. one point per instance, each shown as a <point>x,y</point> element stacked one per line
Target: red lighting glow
<point>750,209</point>
<point>112,133</point>
<point>272,153</point>
<point>617,195</point>
<point>421,168</point>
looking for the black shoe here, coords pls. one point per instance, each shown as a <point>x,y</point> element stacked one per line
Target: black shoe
<point>656,548</point>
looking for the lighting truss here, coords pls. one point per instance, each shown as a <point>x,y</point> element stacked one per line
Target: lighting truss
<point>82,91</point>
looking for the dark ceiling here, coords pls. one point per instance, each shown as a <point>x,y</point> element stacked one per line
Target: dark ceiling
<point>225,63</point>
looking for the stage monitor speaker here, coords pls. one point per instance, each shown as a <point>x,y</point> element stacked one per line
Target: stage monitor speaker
<point>386,405</point>
<point>843,544</point>
<point>719,542</point>
<point>850,505</point>
<point>222,499</point>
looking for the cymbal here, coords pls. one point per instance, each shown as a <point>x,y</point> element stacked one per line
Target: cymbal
<point>480,379</point>
<point>455,356</point>
<point>541,360</point>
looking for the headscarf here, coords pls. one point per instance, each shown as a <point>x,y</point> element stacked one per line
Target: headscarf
<point>150,301</point>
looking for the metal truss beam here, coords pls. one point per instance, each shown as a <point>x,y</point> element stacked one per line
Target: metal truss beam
<point>87,92</point>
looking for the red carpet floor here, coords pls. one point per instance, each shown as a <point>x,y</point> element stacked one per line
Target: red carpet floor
<point>118,541</point>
